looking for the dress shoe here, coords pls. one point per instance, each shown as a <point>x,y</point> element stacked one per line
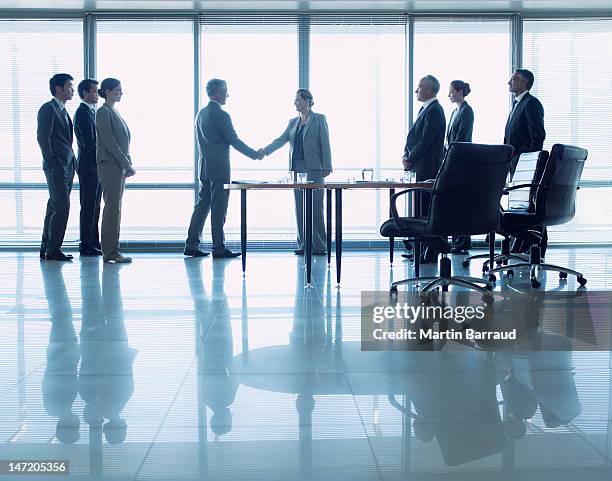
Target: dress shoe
<point>43,253</point>
<point>299,252</point>
<point>58,256</point>
<point>408,256</point>
<point>90,252</point>
<point>195,253</point>
<point>117,259</point>
<point>226,254</point>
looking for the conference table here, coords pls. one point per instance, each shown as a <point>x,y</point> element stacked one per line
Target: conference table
<point>333,190</point>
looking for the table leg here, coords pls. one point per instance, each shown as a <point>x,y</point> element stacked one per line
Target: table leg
<point>417,258</point>
<point>329,221</point>
<point>308,235</point>
<point>391,239</point>
<point>338,235</point>
<point>491,249</point>
<point>243,228</point>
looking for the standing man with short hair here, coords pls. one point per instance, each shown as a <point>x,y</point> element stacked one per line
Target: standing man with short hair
<point>424,150</point>
<point>90,190</point>
<point>54,135</point>
<point>525,126</point>
<point>525,132</point>
<point>215,134</point>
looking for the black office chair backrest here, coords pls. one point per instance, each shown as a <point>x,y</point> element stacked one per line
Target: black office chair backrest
<point>529,170</point>
<point>468,189</point>
<point>555,200</point>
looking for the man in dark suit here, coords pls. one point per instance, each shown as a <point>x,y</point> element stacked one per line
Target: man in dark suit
<point>525,126</point>
<point>424,150</point>
<point>525,131</point>
<point>54,135</point>
<point>215,134</point>
<point>91,191</point>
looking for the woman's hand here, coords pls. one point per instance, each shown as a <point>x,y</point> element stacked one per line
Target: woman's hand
<point>326,173</point>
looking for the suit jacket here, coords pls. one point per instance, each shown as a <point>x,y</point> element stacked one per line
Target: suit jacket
<point>55,138</point>
<point>525,128</point>
<point>215,134</point>
<point>113,138</point>
<point>85,130</point>
<point>460,130</point>
<point>317,151</point>
<point>425,143</point>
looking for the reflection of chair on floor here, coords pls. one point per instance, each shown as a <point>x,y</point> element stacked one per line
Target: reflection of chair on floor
<point>458,406</point>
<point>542,377</point>
<point>464,201</point>
<point>555,204</point>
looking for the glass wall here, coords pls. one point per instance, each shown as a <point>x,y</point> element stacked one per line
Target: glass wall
<point>573,75</point>
<point>259,61</point>
<point>154,61</point>
<point>31,52</point>
<point>355,65</point>
<point>358,79</point>
<point>475,51</point>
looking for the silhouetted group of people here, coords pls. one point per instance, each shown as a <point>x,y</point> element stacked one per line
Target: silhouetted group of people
<point>427,143</point>
<point>104,162</point>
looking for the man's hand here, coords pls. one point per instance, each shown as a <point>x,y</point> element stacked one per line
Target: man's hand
<point>407,165</point>
<point>326,173</point>
<point>261,153</point>
<point>129,172</point>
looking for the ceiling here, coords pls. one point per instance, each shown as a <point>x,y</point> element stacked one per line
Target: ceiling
<point>521,6</point>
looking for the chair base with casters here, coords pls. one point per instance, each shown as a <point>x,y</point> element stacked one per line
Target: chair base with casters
<point>535,265</point>
<point>499,259</point>
<point>444,280</point>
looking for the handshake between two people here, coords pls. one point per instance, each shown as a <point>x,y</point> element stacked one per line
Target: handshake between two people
<point>261,153</point>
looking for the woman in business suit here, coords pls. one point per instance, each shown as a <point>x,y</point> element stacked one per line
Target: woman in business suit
<point>460,127</point>
<point>114,164</point>
<point>310,153</point>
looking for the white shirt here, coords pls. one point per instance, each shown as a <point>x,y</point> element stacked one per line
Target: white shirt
<point>426,104</point>
<point>61,104</point>
<point>91,106</point>
<point>517,99</point>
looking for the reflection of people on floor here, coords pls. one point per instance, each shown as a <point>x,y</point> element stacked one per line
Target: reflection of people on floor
<point>216,343</point>
<point>106,376</point>
<point>59,384</point>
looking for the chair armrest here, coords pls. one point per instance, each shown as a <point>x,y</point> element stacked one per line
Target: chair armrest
<point>519,186</point>
<point>394,197</point>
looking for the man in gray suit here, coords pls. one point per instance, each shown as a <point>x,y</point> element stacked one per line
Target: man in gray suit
<point>215,134</point>
<point>54,137</point>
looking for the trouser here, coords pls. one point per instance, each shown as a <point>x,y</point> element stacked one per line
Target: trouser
<point>112,180</point>
<point>319,241</point>
<point>90,196</point>
<point>59,184</point>
<point>213,198</point>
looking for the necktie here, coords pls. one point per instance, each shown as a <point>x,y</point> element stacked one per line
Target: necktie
<point>66,118</point>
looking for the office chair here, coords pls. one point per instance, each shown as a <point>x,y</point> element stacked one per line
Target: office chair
<point>521,195</point>
<point>464,200</point>
<point>555,204</point>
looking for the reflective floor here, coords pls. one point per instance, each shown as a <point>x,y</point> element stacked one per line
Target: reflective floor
<point>173,368</point>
